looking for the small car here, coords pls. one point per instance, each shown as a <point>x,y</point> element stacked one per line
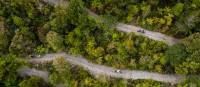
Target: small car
<point>31,56</point>
<point>118,71</point>
<point>34,56</point>
<point>38,56</point>
<point>141,31</point>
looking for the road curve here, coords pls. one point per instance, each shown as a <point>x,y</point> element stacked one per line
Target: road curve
<point>129,28</point>
<point>150,34</point>
<point>109,71</point>
<point>25,71</point>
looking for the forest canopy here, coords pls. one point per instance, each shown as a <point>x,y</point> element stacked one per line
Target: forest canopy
<point>36,27</point>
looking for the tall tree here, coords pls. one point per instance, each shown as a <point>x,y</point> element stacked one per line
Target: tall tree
<point>61,72</point>
<point>76,12</point>
<point>55,41</point>
<point>33,82</point>
<point>8,74</point>
<point>4,39</point>
<point>23,42</point>
<point>184,56</point>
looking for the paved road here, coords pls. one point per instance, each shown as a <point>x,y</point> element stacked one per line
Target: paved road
<point>150,34</point>
<point>25,71</point>
<point>131,28</point>
<point>109,71</point>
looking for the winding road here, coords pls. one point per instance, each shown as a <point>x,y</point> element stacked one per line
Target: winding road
<point>150,34</point>
<point>128,28</point>
<point>104,70</point>
<point>95,69</point>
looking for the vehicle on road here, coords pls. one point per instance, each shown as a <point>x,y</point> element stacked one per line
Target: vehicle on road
<point>118,71</point>
<point>34,56</point>
<point>141,31</point>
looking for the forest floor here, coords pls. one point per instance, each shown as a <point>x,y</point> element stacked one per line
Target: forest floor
<point>98,70</point>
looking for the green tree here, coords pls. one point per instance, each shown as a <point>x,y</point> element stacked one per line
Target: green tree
<point>175,54</point>
<point>148,83</point>
<point>31,11</point>
<point>121,83</point>
<point>4,39</point>
<point>59,22</point>
<point>187,23</point>
<point>75,51</point>
<point>41,33</point>
<point>188,66</point>
<point>76,12</point>
<point>191,81</point>
<point>61,72</point>
<point>18,21</point>
<point>97,4</point>
<point>89,82</point>
<point>55,41</point>
<point>192,43</point>
<point>145,8</point>
<point>32,82</point>
<point>195,4</point>
<point>98,52</point>
<point>23,42</point>
<point>133,10</point>
<point>8,74</point>
<point>178,9</point>
<point>41,49</point>
<point>184,56</point>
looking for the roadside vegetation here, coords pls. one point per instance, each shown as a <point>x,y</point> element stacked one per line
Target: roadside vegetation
<point>173,17</point>
<point>62,72</point>
<point>30,27</point>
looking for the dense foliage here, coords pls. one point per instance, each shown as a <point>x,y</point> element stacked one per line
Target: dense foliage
<point>184,56</point>
<point>36,27</point>
<point>33,82</point>
<point>8,75</point>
